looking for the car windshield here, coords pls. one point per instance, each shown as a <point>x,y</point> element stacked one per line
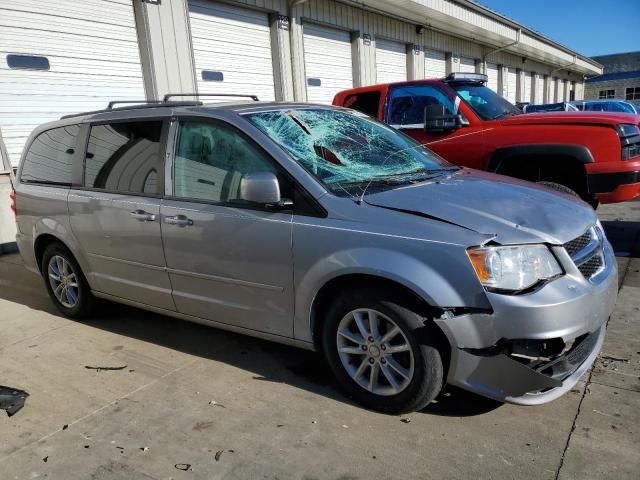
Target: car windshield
<point>348,151</point>
<point>486,103</point>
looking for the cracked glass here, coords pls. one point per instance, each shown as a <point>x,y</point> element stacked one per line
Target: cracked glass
<point>347,151</point>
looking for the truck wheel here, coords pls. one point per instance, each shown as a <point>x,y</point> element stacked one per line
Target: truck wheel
<point>564,189</point>
<point>370,344</point>
<point>65,282</point>
<point>559,187</point>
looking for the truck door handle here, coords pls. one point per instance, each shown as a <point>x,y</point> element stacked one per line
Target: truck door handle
<point>143,216</point>
<point>180,220</point>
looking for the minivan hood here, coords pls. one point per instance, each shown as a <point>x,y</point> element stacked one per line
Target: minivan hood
<point>511,210</point>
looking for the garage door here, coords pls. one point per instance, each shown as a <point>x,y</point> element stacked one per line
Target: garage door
<point>510,84</point>
<point>56,59</point>
<point>435,64</point>
<point>492,74</point>
<point>327,59</point>
<point>391,61</point>
<point>467,65</point>
<point>528,79</point>
<point>539,95</point>
<point>231,49</point>
<point>561,84</point>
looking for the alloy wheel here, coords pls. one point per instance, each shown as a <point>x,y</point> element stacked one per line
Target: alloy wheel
<point>375,352</point>
<point>63,281</point>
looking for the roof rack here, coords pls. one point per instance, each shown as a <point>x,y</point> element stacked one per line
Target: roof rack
<point>136,105</point>
<point>197,95</point>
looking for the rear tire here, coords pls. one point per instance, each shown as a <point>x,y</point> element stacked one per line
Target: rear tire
<point>65,282</point>
<point>377,358</point>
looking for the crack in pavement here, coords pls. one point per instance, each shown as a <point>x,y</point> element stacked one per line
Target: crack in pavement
<point>586,388</point>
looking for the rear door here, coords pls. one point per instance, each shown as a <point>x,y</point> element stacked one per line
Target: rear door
<point>228,261</point>
<point>115,214</point>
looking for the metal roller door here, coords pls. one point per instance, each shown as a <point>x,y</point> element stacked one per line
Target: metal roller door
<point>526,94</point>
<point>561,84</point>
<point>510,84</point>
<point>231,49</point>
<point>539,96</point>
<point>435,64</point>
<point>492,74</point>
<point>327,60</point>
<point>56,59</point>
<point>391,61</point>
<point>467,65</point>
<point>554,91</point>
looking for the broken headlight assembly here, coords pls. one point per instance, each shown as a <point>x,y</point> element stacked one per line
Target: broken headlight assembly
<point>512,269</point>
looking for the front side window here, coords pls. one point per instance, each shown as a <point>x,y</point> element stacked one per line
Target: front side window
<point>210,161</point>
<point>124,157</point>
<point>50,157</point>
<point>486,103</point>
<point>407,104</point>
<point>347,151</point>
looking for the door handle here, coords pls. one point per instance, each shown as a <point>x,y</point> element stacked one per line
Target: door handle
<point>180,220</point>
<point>143,216</point>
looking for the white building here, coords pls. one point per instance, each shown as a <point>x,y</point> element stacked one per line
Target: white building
<point>67,56</point>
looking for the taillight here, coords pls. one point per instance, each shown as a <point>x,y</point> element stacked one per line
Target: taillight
<point>12,197</point>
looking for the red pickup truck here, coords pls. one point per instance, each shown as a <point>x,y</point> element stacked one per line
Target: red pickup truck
<point>595,154</point>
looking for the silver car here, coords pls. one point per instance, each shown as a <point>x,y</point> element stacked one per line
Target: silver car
<point>319,227</point>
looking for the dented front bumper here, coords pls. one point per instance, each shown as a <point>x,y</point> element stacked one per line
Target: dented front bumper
<point>571,311</point>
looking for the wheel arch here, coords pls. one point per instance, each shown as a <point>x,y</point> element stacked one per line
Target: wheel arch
<point>564,164</point>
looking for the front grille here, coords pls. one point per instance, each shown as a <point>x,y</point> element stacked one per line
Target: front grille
<point>591,266</point>
<point>587,252</point>
<point>577,244</point>
<point>563,366</point>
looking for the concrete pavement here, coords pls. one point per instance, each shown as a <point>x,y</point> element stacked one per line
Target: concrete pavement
<point>198,403</point>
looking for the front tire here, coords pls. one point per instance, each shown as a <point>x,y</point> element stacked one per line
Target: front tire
<point>65,282</point>
<point>371,343</point>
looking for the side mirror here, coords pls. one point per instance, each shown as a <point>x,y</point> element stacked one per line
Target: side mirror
<point>436,119</point>
<point>260,187</point>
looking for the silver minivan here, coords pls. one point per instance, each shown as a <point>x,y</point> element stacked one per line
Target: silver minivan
<point>319,227</point>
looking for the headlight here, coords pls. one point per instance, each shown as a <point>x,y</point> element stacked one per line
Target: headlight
<point>628,130</point>
<point>513,268</point>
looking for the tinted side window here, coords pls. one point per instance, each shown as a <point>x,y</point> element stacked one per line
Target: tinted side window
<point>49,158</point>
<point>364,102</point>
<point>124,157</point>
<point>210,161</point>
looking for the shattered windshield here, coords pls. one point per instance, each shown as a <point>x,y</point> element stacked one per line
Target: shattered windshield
<point>347,151</point>
<point>486,103</point>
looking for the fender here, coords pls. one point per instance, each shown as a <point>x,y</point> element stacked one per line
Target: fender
<point>579,152</point>
<point>429,283</point>
<point>62,232</point>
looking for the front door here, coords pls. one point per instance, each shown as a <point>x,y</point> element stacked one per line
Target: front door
<point>116,214</point>
<point>405,111</point>
<point>228,261</point>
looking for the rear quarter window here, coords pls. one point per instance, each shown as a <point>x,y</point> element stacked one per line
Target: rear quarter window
<point>49,158</point>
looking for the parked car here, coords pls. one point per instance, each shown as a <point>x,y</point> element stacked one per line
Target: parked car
<point>605,106</point>
<point>319,227</point>
<point>550,107</point>
<point>595,155</point>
